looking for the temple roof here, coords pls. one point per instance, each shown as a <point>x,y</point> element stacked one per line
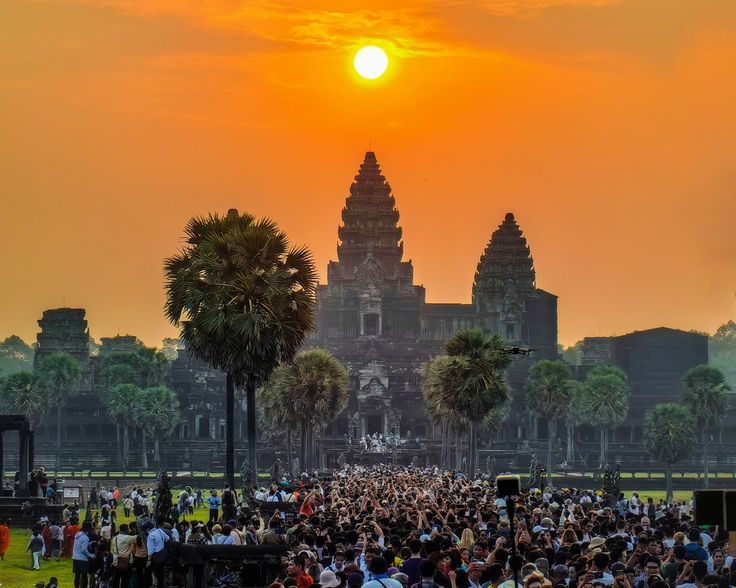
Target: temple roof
<point>506,260</point>
<point>370,220</point>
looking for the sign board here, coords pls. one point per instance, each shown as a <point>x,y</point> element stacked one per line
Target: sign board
<point>72,491</point>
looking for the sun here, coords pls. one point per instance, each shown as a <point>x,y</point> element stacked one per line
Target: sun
<point>370,62</point>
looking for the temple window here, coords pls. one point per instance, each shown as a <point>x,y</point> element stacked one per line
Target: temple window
<point>370,324</point>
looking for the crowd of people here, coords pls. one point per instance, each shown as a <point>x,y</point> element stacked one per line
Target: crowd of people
<point>405,527</point>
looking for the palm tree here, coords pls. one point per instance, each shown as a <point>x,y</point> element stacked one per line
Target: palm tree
<point>28,394</point>
<point>605,402</point>
<point>244,301</point>
<point>120,402</point>
<point>157,414</point>
<point>706,394</point>
<point>440,414</point>
<point>669,434</point>
<point>278,416</point>
<point>548,392</point>
<point>470,382</point>
<point>62,373</point>
<point>314,389</point>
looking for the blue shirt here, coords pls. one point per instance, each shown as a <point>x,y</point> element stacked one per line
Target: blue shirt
<point>213,501</point>
<point>156,541</point>
<point>81,547</point>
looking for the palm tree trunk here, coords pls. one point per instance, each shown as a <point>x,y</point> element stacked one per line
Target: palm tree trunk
<point>602,457</point>
<point>288,452</point>
<point>444,448</point>
<point>126,447</point>
<point>669,484</point>
<point>251,410</point>
<point>57,461</point>
<point>157,451</point>
<point>144,450</point>
<point>706,465</point>
<point>569,455</point>
<point>473,449</point>
<point>230,431</point>
<point>118,453</point>
<point>458,451</point>
<point>303,450</point>
<point>550,433</point>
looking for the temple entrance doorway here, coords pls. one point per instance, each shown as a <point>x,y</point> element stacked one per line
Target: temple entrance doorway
<point>373,424</point>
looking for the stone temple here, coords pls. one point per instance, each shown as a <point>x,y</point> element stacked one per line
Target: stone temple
<point>375,319</point>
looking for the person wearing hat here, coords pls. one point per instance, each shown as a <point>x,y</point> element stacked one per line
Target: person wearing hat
<point>379,576</point>
<point>82,555</point>
<point>328,579</point>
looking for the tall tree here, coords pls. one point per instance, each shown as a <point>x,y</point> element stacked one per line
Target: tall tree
<point>669,435</point>
<point>470,382</point>
<point>722,351</point>
<point>707,397</point>
<point>605,403</point>
<point>62,374</point>
<point>244,300</point>
<point>121,402</point>
<point>157,414</point>
<point>278,416</point>
<point>15,355</point>
<point>438,411</point>
<point>314,387</point>
<point>28,394</point>
<point>548,392</point>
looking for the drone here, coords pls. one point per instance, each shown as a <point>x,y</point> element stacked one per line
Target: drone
<point>519,350</point>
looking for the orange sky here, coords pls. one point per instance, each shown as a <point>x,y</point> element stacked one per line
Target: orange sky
<point>608,127</point>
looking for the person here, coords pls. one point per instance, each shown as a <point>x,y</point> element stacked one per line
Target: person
<point>298,572</point>
<point>127,506</point>
<point>411,566</point>
<point>379,575</point>
<point>69,532</point>
<point>53,582</point>
<point>57,538</point>
<point>82,554</point>
<point>4,538</point>
<point>213,501</point>
<point>156,547</point>
<point>427,573</point>
<point>229,504</point>
<point>121,549</point>
<point>35,547</point>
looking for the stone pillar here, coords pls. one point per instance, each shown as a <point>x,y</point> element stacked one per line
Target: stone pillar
<point>23,463</point>
<point>31,450</point>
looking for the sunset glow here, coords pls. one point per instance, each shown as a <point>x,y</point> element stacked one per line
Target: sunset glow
<point>611,143</point>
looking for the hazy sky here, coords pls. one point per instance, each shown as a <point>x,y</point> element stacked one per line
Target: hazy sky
<point>607,127</point>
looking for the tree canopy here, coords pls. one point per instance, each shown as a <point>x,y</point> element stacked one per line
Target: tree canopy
<point>669,433</point>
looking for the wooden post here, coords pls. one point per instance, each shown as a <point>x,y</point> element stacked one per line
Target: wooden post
<point>732,542</point>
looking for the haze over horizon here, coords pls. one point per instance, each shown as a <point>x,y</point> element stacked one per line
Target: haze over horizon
<point>607,127</point>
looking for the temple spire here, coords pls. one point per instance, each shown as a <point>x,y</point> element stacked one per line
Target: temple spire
<point>370,221</point>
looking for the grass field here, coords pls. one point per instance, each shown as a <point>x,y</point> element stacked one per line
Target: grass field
<point>16,572</point>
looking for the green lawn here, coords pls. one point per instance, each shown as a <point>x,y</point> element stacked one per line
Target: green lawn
<point>16,572</point>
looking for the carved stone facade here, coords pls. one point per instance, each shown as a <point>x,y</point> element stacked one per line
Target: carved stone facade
<point>374,318</point>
